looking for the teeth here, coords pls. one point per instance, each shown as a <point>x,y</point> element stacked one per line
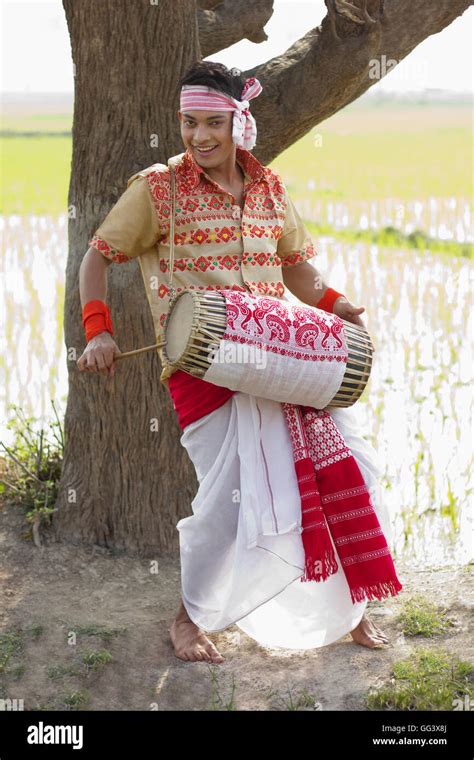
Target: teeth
<point>205,150</point>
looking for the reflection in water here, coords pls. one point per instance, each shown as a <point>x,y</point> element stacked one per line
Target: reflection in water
<point>34,263</point>
<point>415,410</point>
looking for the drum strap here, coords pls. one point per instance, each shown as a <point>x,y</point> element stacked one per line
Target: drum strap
<point>173,204</point>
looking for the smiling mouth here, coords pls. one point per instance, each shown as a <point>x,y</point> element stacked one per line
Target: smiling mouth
<point>205,152</point>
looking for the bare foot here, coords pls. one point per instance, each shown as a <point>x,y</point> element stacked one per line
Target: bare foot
<point>190,642</point>
<point>369,635</point>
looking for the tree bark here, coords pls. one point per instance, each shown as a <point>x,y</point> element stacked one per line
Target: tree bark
<point>123,484</point>
<point>231,21</point>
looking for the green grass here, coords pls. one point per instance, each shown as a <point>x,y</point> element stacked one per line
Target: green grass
<point>218,700</point>
<point>390,237</point>
<point>430,679</point>
<point>97,659</point>
<point>420,617</point>
<point>75,700</point>
<point>35,174</point>
<point>106,634</point>
<point>12,648</point>
<point>399,152</point>
<point>35,631</point>
<point>31,470</point>
<point>56,672</point>
<point>293,699</point>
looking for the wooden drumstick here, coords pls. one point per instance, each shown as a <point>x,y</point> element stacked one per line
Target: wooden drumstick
<point>109,380</point>
<point>124,355</point>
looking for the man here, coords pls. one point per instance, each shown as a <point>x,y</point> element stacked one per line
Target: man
<point>237,228</point>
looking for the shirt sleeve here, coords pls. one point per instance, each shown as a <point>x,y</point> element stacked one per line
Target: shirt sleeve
<point>294,245</point>
<point>131,227</point>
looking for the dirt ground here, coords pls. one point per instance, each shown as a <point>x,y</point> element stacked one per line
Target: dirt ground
<point>62,603</point>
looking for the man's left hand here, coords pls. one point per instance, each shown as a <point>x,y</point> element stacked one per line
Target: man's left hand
<point>344,309</point>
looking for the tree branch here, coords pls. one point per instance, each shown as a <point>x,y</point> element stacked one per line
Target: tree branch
<point>231,21</point>
<point>336,62</point>
<point>208,5</point>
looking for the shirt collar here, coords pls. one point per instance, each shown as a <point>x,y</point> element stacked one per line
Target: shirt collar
<point>186,165</point>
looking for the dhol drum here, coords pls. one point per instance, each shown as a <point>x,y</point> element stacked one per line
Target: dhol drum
<point>269,347</point>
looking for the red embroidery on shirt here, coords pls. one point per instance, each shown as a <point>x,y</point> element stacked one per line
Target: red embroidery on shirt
<point>299,256</point>
<point>202,263</point>
<point>108,251</point>
<point>164,290</point>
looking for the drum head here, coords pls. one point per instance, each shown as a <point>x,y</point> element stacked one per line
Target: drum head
<point>179,326</point>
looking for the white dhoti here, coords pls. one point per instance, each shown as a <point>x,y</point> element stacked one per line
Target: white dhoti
<point>241,550</point>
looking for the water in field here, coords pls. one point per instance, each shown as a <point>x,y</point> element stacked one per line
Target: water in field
<point>416,410</point>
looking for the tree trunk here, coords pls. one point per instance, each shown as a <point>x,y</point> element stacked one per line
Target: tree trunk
<point>126,479</point>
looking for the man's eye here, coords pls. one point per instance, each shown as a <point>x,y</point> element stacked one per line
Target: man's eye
<point>217,123</point>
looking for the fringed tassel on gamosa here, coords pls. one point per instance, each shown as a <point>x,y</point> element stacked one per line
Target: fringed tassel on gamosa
<point>377,591</point>
<point>320,569</point>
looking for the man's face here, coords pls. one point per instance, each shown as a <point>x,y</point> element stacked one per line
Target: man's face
<point>206,129</point>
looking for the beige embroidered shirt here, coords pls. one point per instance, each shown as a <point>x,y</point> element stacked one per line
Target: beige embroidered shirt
<point>216,244</point>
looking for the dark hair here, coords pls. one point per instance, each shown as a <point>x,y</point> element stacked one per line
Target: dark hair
<point>215,75</point>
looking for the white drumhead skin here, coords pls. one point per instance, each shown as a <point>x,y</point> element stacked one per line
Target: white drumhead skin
<point>179,326</point>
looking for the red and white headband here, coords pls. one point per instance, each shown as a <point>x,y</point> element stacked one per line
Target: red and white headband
<point>199,97</point>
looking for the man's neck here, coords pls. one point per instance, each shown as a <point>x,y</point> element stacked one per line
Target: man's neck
<point>227,173</point>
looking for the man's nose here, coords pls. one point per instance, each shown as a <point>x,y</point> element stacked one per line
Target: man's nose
<point>200,135</point>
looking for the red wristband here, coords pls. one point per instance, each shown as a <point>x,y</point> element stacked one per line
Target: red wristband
<point>96,319</point>
<point>326,303</point>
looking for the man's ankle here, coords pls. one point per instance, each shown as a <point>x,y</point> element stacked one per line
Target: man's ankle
<point>182,613</point>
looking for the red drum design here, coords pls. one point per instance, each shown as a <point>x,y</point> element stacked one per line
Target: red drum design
<point>268,347</point>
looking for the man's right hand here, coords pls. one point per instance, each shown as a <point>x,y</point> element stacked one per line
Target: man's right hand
<point>99,355</point>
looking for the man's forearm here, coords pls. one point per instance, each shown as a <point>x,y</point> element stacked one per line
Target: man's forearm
<point>305,282</point>
<point>93,277</point>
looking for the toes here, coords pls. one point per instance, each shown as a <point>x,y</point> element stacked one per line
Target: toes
<point>380,633</point>
<point>375,642</point>
<point>194,656</point>
<point>199,652</point>
<point>374,629</point>
<point>380,642</point>
<point>190,655</point>
<point>378,639</point>
<point>214,653</point>
<point>370,639</point>
<point>209,653</point>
